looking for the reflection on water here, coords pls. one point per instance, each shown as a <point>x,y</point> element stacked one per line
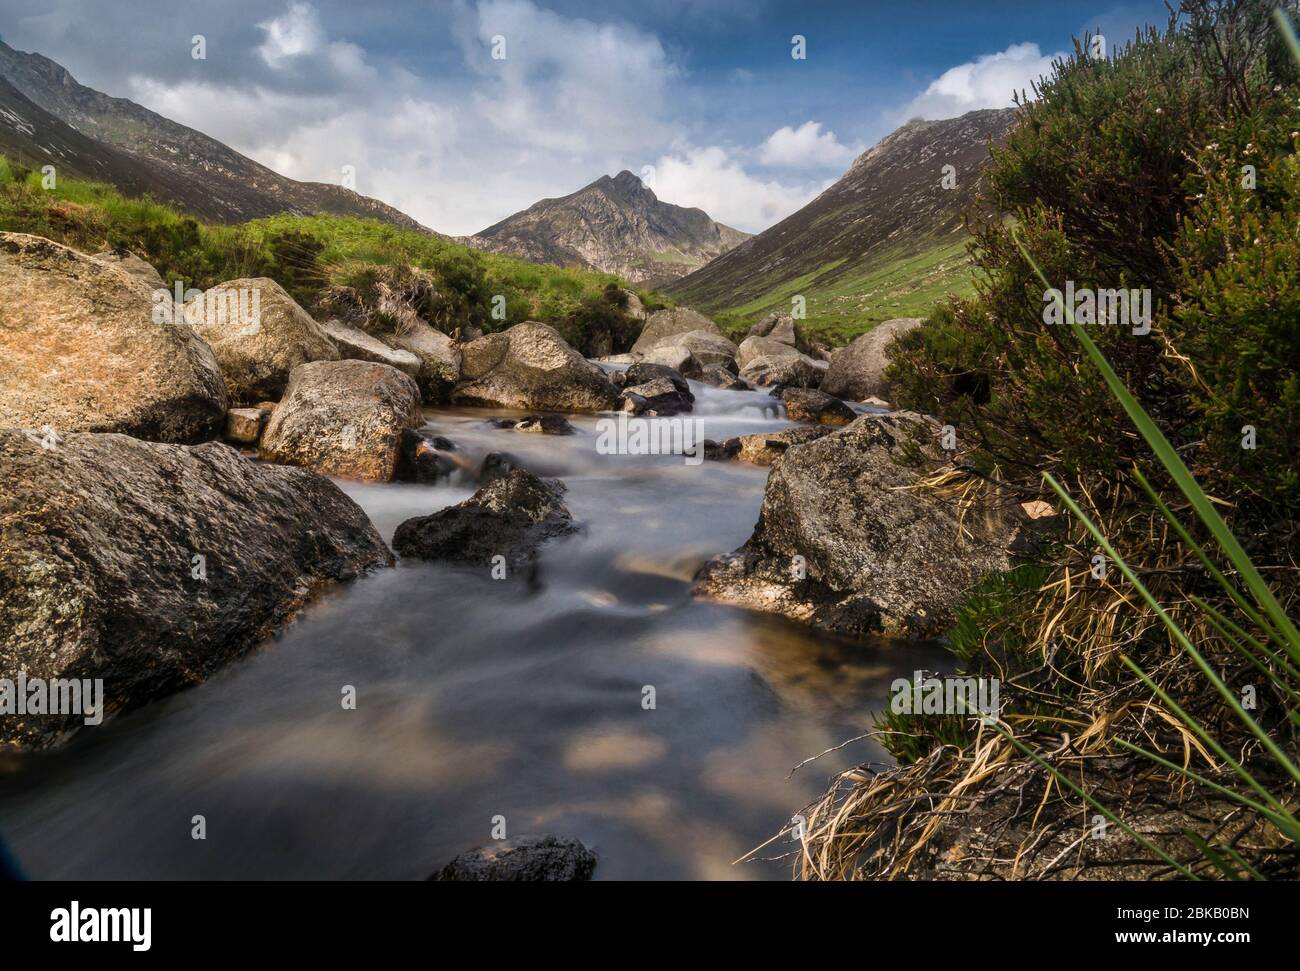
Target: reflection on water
<point>479,697</point>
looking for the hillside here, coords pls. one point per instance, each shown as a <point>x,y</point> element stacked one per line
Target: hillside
<point>886,240</point>
<point>118,141</point>
<point>615,225</point>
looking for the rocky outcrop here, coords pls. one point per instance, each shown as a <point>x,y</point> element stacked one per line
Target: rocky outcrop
<point>259,335</point>
<point>857,371</point>
<point>531,367</point>
<point>355,344</point>
<point>532,858</point>
<point>806,404</point>
<point>80,350</point>
<point>846,541</point>
<point>511,515</point>
<point>151,566</point>
<point>343,418</point>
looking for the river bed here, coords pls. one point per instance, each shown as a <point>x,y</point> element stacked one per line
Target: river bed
<point>480,698</point>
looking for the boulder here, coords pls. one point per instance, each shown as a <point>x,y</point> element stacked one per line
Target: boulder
<point>665,324</point>
<point>343,418</point>
<point>720,377</point>
<point>674,356</point>
<point>133,266</point>
<point>879,554</point>
<point>777,327</point>
<point>355,344</point>
<point>658,397</point>
<point>857,371</point>
<point>259,335</point>
<point>152,566</point>
<point>807,404</point>
<point>642,372</point>
<point>632,305</point>
<point>545,425</point>
<point>523,858</point>
<point>797,371</point>
<point>511,515</point>
<point>752,348</point>
<point>530,367</point>
<point>438,354</point>
<point>81,350</point>
<point>707,350</point>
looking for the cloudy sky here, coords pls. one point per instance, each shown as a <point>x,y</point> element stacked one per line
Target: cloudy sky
<point>701,97</point>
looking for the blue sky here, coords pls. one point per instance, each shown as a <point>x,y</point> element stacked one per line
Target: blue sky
<point>702,98</point>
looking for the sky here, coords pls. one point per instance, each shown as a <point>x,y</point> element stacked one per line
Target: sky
<point>461,112</point>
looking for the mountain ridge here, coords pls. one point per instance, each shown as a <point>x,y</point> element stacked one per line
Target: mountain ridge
<point>178,164</point>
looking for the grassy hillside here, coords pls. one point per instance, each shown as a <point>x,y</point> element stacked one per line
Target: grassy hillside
<point>309,256</point>
<point>842,304</point>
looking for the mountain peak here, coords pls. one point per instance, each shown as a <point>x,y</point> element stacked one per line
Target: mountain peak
<point>616,225</point>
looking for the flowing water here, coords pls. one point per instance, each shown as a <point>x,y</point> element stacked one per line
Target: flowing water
<point>478,698</point>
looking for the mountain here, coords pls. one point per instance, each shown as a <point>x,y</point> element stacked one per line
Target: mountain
<point>616,225</point>
<point>886,240</point>
<point>48,118</point>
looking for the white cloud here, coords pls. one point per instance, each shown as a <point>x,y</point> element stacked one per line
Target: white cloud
<point>987,82</point>
<point>806,147</point>
<point>715,180</point>
<point>295,33</point>
<point>572,100</point>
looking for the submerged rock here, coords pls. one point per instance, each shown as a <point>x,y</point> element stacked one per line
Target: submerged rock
<point>857,371</point>
<point>530,366</point>
<point>344,418</point>
<point>512,514</point>
<point>845,543</point>
<point>425,458</point>
<point>152,566</point>
<point>538,425</point>
<point>259,334</point>
<point>80,350</point>
<point>532,858</point>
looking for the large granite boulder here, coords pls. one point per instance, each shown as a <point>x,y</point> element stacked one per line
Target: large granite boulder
<point>846,541</point>
<point>664,326</point>
<point>531,367</point>
<point>785,370</point>
<point>857,371</point>
<point>82,349</point>
<point>344,418</point>
<point>151,566</point>
<point>259,335</point>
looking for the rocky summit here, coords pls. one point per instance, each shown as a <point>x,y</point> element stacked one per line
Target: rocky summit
<point>617,225</point>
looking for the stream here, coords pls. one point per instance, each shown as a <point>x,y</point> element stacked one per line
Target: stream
<point>478,698</point>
